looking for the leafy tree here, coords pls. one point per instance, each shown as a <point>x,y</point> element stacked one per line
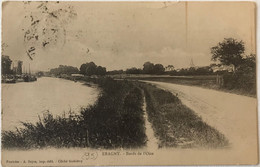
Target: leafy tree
<point>148,67</point>
<point>229,52</point>
<point>113,72</point>
<point>101,70</point>
<point>134,71</point>
<point>91,68</point>
<point>19,67</point>
<point>63,69</point>
<point>6,65</point>
<point>82,69</point>
<point>170,67</point>
<point>248,65</point>
<point>158,69</point>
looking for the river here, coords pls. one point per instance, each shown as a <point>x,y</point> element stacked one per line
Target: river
<point>24,101</point>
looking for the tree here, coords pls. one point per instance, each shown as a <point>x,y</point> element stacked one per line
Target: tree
<point>6,65</point>
<point>229,52</point>
<point>148,67</point>
<point>114,72</point>
<point>91,68</point>
<point>63,69</point>
<point>158,69</point>
<point>249,65</point>
<point>19,67</point>
<point>133,70</point>
<point>82,69</point>
<point>169,67</point>
<point>101,70</point>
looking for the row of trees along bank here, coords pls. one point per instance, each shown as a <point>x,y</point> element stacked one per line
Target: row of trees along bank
<point>92,69</point>
<point>235,69</point>
<point>85,69</point>
<point>228,53</point>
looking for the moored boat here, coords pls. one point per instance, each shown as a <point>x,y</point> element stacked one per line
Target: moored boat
<point>8,79</point>
<point>29,78</point>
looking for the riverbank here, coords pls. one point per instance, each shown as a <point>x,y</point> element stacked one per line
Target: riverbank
<point>116,120</point>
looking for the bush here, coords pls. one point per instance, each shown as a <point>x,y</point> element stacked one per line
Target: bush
<point>245,83</point>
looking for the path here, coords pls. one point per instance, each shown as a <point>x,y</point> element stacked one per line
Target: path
<point>233,115</point>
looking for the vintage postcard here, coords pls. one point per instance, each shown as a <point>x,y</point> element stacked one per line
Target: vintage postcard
<point>128,83</point>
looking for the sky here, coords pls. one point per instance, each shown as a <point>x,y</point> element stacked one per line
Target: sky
<point>120,35</point>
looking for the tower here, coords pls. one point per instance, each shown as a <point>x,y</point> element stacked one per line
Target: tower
<point>19,67</point>
<point>191,63</point>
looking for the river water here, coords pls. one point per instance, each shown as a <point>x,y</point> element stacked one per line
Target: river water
<point>26,101</point>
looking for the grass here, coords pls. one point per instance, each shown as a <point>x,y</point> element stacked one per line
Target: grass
<point>175,125</point>
<point>114,121</point>
<point>239,84</point>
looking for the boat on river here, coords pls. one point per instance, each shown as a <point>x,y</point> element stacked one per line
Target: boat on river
<point>8,79</point>
<point>29,78</point>
<point>18,78</point>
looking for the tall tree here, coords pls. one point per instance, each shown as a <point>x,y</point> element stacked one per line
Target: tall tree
<point>101,70</point>
<point>249,65</point>
<point>82,69</point>
<point>6,65</point>
<point>169,67</point>
<point>63,69</point>
<point>148,67</point>
<point>19,67</point>
<point>229,52</point>
<point>158,69</point>
<point>91,68</point>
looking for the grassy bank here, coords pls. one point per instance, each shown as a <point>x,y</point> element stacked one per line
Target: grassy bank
<point>115,120</point>
<point>238,84</point>
<point>176,125</point>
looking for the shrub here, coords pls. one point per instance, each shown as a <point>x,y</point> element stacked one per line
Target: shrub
<point>245,83</point>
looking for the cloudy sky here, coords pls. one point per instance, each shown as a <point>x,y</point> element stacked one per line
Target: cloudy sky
<point>119,35</point>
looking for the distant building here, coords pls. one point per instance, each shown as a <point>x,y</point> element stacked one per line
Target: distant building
<point>192,64</point>
<point>17,67</point>
<point>221,67</point>
<point>77,75</point>
<point>6,65</point>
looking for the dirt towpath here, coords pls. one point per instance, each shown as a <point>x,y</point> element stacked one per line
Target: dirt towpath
<point>233,115</point>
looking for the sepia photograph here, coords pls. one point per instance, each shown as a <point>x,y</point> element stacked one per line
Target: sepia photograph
<point>128,83</point>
